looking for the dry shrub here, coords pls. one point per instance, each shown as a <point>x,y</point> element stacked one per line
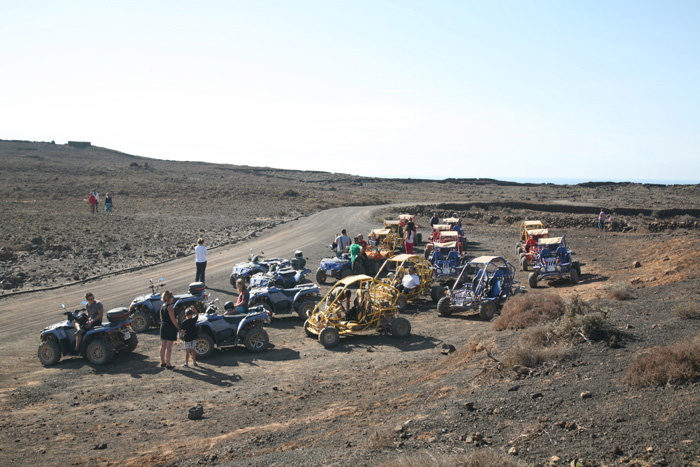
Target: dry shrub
<point>527,310</point>
<point>687,310</point>
<point>550,341</point>
<point>673,364</point>
<point>381,439</point>
<point>619,291</point>
<point>480,458</point>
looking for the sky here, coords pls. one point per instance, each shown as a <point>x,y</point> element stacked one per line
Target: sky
<point>513,90</point>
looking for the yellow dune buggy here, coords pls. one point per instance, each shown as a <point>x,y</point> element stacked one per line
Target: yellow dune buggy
<point>354,305</point>
<point>395,268</point>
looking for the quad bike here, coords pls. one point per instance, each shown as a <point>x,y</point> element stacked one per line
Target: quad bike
<point>284,277</point>
<point>339,268</point>
<point>145,309</point>
<point>99,343</point>
<point>300,299</point>
<point>491,286</point>
<point>217,330</point>
<point>373,308</point>
<point>256,263</point>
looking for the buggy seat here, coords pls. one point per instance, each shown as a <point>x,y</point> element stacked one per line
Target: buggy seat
<point>496,284</point>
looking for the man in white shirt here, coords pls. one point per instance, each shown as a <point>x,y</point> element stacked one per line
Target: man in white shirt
<point>410,281</point>
<point>342,242</point>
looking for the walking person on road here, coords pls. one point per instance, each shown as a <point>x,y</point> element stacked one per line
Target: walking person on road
<point>200,254</point>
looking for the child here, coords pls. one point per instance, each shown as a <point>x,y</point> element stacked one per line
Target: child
<point>189,329</point>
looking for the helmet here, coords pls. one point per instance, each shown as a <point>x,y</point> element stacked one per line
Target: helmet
<point>228,306</point>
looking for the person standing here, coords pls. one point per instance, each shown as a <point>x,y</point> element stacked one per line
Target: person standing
<point>200,254</point>
<point>168,329</point>
<point>342,242</point>
<point>95,311</point>
<point>97,201</point>
<point>189,335</point>
<point>601,219</point>
<point>93,202</point>
<point>108,203</point>
<point>408,240</point>
<point>434,220</point>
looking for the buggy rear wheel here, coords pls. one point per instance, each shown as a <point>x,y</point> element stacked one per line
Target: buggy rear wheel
<point>321,276</point>
<point>436,293</point>
<point>487,310</point>
<point>532,279</point>
<point>523,263</point>
<point>443,306</point>
<point>518,249</point>
<point>401,303</point>
<point>400,328</point>
<point>307,329</point>
<point>49,352</point>
<point>426,253</point>
<point>573,276</point>
<point>329,337</point>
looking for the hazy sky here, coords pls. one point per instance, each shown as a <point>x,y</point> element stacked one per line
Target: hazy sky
<point>594,90</point>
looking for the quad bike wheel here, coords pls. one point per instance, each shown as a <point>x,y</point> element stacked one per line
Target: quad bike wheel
<point>487,310</point>
<point>99,352</point>
<point>573,276</point>
<point>400,328</point>
<point>443,306</point>
<point>256,340</point>
<point>401,302</point>
<point>321,276</point>
<point>132,342</point>
<point>532,279</point>
<point>204,346</point>
<point>305,309</point>
<point>329,337</point>
<point>232,279</point>
<point>345,272</point>
<point>140,321</point>
<point>49,352</point>
<point>436,293</point>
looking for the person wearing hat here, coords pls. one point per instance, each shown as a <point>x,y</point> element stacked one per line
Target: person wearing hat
<point>434,220</point>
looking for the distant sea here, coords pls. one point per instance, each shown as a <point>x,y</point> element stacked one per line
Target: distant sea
<point>564,181</point>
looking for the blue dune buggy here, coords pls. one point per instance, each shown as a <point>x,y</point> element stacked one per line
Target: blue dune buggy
<point>255,264</point>
<point>554,262</point>
<point>99,344</point>
<point>300,299</point>
<point>217,330</point>
<point>339,268</point>
<point>491,286</point>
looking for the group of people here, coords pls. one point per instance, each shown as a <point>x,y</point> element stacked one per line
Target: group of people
<point>601,220</point>
<point>94,202</point>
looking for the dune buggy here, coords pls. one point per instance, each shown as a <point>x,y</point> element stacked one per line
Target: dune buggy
<point>530,247</point>
<point>356,304</point>
<point>393,271</point>
<point>524,227</point>
<point>554,262</point>
<point>442,238</point>
<point>491,286</point>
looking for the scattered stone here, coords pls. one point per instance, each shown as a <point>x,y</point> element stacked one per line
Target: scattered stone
<point>513,388</point>
<point>636,264</point>
<point>469,406</point>
<point>196,412</point>
<point>537,395</point>
<point>180,254</point>
<point>614,342</point>
<point>100,446</point>
<point>447,349</point>
<point>554,459</point>
<point>521,370</point>
<point>586,395</point>
<point>513,451</point>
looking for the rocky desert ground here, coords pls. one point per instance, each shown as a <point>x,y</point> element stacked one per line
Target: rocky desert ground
<point>602,373</point>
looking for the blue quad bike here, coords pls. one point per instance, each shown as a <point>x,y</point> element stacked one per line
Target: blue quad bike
<point>256,263</point>
<point>284,277</point>
<point>145,309</point>
<point>99,344</point>
<point>554,261</point>
<point>492,285</point>
<point>221,330</point>
<point>340,268</point>
<point>301,299</point>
